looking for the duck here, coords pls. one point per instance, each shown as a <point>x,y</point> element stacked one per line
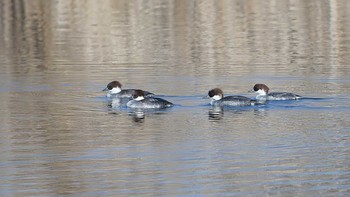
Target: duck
<point>263,93</point>
<point>114,89</point>
<point>140,101</point>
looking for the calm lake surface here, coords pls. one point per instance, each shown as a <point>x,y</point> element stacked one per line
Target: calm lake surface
<point>58,137</point>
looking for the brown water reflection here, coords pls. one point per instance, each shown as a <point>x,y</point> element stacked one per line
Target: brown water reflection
<point>181,33</point>
<point>58,137</point>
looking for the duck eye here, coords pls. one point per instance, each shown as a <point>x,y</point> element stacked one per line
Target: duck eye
<point>256,88</point>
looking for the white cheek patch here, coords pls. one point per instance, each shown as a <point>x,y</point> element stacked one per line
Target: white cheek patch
<point>139,98</point>
<point>261,92</point>
<point>216,97</point>
<point>115,90</point>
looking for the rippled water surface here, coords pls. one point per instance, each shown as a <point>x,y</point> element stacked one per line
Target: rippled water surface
<point>59,137</point>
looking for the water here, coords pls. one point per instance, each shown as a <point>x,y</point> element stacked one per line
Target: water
<point>58,136</point>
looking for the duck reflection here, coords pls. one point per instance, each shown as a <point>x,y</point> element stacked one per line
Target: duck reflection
<point>216,113</point>
<point>138,115</point>
<point>115,103</point>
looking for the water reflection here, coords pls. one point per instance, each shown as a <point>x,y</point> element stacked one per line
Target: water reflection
<point>251,34</point>
<point>138,115</point>
<point>116,102</point>
<point>217,112</point>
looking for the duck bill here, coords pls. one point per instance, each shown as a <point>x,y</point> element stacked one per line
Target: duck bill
<point>106,89</point>
<point>251,90</point>
<point>206,97</point>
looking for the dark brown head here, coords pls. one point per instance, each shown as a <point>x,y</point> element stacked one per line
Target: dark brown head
<point>114,84</point>
<point>216,94</point>
<point>260,86</point>
<point>138,95</point>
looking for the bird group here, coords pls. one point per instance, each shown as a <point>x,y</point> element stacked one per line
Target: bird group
<point>136,98</point>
